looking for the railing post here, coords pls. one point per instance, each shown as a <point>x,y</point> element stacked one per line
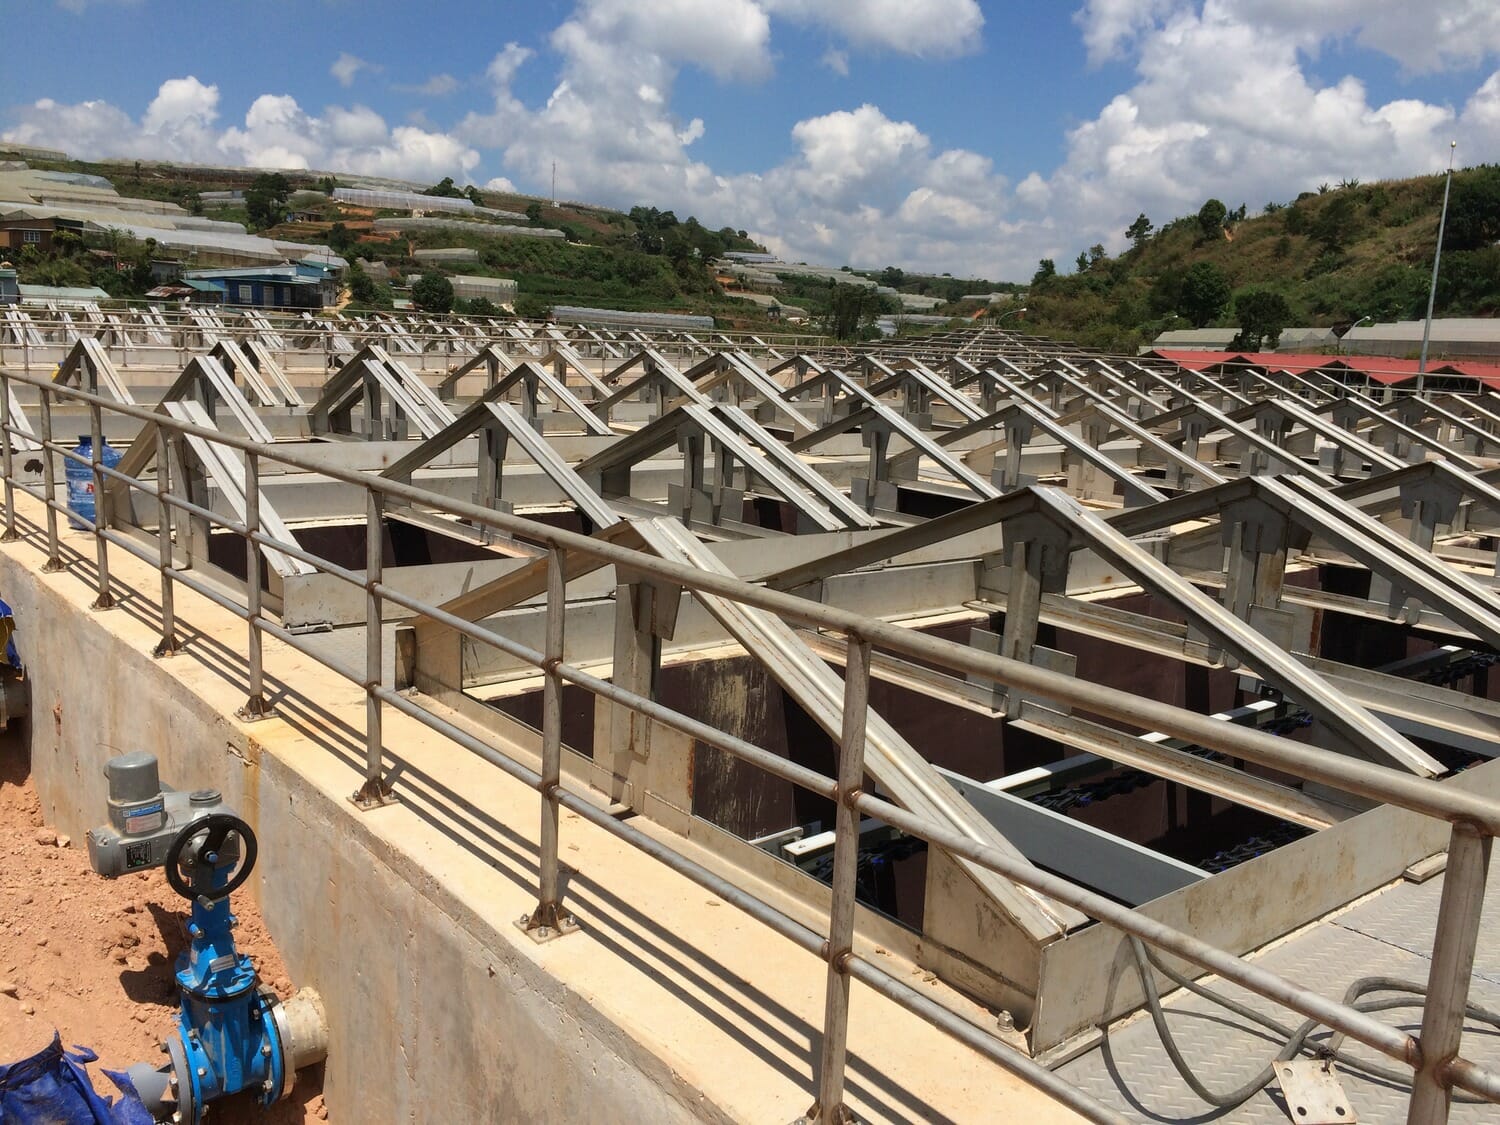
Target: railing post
<point>1452,965</point>
<point>10,535</point>
<point>49,486</point>
<point>168,643</point>
<point>256,707</point>
<point>375,791</point>
<point>549,920</point>
<point>830,1106</point>
<point>105,600</point>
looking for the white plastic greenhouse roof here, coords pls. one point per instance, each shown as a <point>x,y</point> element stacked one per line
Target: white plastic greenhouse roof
<point>402,200</point>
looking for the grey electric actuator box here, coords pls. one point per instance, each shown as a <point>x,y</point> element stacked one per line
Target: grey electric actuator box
<point>144,816</point>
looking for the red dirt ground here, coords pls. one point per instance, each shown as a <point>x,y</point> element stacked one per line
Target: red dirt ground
<point>94,958</point>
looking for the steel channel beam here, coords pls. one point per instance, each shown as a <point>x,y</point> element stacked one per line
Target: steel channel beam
<point>1338,771</point>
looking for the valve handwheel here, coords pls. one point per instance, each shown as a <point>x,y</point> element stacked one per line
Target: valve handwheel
<point>213,830</point>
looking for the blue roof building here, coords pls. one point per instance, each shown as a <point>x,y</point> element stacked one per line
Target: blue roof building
<point>299,285</point>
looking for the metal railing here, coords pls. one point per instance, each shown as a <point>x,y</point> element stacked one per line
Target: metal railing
<point>1433,1055</point>
<point>432,334</point>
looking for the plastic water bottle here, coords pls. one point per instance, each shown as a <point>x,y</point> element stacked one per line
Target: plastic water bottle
<point>81,478</point>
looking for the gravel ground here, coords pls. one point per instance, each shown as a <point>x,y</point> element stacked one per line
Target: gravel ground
<point>94,958</point>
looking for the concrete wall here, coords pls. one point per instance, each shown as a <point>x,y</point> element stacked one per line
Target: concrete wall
<point>435,1014</point>
<point>668,1005</point>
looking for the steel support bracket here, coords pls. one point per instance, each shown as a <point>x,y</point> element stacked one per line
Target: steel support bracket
<point>376,793</point>
<point>1313,1092</point>
<point>255,710</point>
<point>548,922</point>
<point>840,1115</point>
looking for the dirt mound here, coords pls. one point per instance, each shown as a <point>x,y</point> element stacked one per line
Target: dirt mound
<point>94,958</point>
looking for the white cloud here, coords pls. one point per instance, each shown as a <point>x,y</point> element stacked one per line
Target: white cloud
<point>276,133</point>
<point>1225,101</point>
<point>357,125</point>
<point>849,156</point>
<point>1109,26</point>
<point>438,86</point>
<point>1225,105</point>
<point>503,66</point>
<point>1427,36</point>
<point>77,7</point>
<point>728,38</point>
<point>1482,115</point>
<point>182,106</point>
<point>499,183</point>
<point>916,27</point>
<point>346,67</point>
<point>91,128</point>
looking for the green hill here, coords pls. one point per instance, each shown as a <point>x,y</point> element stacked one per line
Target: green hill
<point>1334,256</point>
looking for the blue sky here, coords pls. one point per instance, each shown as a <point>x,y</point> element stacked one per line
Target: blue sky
<point>948,135</point>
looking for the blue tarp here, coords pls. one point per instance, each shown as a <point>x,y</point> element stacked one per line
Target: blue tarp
<point>7,633</point>
<point>52,1088</point>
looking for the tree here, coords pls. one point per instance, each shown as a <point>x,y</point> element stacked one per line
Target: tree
<point>532,308</point>
<point>471,193</point>
<point>1336,223</point>
<point>893,276</point>
<point>1139,232</point>
<point>652,228</point>
<point>265,198</point>
<point>1081,263</point>
<point>1096,254</point>
<point>365,291</point>
<point>1262,314</point>
<point>1474,211</point>
<point>341,239</point>
<point>534,213</point>
<point>850,308</point>
<point>1046,269</point>
<point>1397,292</point>
<point>477,306</point>
<point>1204,293</point>
<point>1211,218</point>
<point>445,187</point>
<point>432,292</point>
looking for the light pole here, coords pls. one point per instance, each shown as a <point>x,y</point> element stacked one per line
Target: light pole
<point>1436,258</point>
<point>1351,328</point>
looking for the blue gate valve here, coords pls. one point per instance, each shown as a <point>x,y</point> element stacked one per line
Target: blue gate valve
<point>232,1034</point>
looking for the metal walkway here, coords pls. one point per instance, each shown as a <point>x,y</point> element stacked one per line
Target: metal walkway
<point>1389,934</point>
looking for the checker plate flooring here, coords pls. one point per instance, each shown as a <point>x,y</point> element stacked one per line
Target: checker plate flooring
<point>1387,935</point>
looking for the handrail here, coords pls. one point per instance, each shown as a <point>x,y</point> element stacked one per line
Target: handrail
<point>1475,818</point>
<point>1379,783</point>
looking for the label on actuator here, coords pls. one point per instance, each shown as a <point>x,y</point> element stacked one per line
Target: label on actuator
<point>147,818</point>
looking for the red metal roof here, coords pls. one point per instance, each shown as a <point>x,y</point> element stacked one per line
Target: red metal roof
<point>1385,370</point>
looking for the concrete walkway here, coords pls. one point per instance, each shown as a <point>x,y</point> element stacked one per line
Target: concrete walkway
<point>669,1005</point>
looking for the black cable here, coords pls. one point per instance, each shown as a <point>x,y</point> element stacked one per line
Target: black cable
<point>1295,1040</point>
